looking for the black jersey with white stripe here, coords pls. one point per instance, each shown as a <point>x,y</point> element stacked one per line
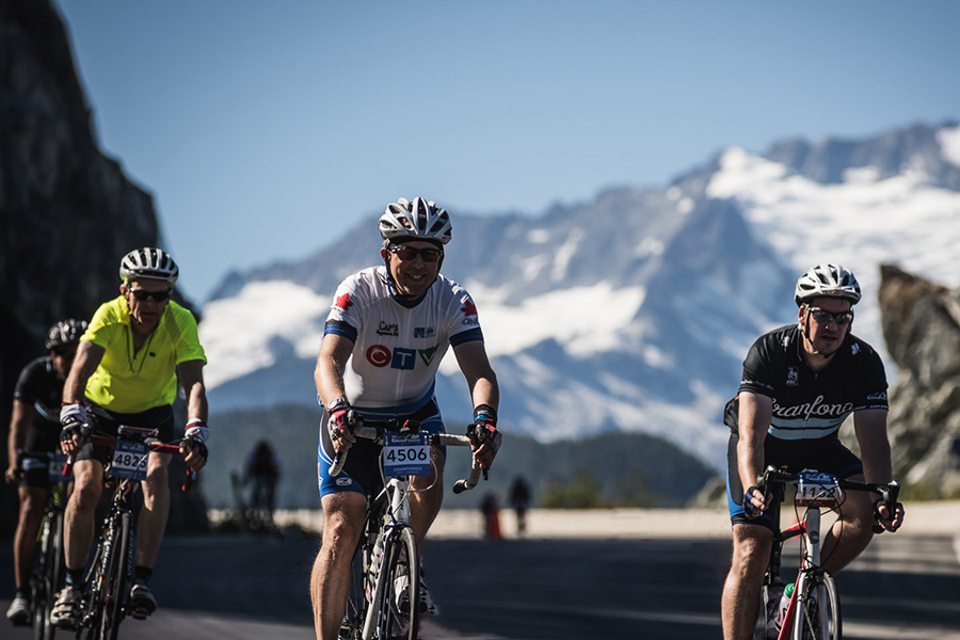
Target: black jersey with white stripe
<point>810,405</point>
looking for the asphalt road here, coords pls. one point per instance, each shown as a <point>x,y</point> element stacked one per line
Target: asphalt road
<point>903,587</point>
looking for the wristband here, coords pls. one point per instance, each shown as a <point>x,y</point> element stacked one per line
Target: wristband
<point>485,411</point>
<point>72,412</point>
<point>196,429</point>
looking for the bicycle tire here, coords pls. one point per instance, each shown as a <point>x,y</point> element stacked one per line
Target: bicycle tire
<point>820,618</point>
<point>115,582</point>
<point>398,582</point>
<point>56,570</point>
<point>357,604</point>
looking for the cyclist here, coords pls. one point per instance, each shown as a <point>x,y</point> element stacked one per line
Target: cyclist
<point>35,427</point>
<point>799,384</point>
<point>387,331</point>
<point>262,469</point>
<point>125,373</point>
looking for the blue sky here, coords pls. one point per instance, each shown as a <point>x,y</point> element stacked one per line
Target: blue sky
<point>265,130</point>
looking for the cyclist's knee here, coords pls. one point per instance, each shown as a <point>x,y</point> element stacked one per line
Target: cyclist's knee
<point>751,545</point>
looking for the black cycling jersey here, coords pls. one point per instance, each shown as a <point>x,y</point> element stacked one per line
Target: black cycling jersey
<point>40,387</point>
<point>809,405</point>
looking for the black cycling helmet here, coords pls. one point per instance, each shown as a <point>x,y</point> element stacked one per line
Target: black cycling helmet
<point>65,332</point>
<point>149,262</point>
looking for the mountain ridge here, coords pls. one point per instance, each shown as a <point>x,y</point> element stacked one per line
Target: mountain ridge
<point>633,311</point>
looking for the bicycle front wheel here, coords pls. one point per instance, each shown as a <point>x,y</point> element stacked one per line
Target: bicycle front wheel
<point>819,618</point>
<point>48,577</point>
<point>398,588</point>
<point>116,581</point>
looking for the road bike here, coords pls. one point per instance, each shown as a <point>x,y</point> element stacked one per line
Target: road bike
<point>814,607</point>
<point>385,574</point>
<point>108,578</point>
<point>49,569</point>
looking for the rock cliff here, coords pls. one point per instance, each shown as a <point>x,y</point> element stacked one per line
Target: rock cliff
<point>67,212</point>
<point>921,326</point>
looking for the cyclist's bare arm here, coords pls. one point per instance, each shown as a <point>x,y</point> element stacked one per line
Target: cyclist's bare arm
<point>871,429</point>
<point>482,382</point>
<point>20,422</point>
<point>191,378</point>
<point>756,412</point>
<point>335,350</point>
<point>88,359</point>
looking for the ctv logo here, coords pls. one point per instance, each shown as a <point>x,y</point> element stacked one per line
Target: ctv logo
<point>381,356</point>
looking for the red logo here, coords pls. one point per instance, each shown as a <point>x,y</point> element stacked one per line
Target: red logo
<point>468,308</point>
<point>379,356</point>
<point>343,302</point>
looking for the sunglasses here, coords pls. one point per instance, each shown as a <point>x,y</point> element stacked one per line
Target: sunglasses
<point>824,317</point>
<point>158,296</point>
<point>406,253</point>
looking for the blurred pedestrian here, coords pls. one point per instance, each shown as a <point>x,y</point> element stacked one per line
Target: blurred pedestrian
<point>520,501</point>
<point>490,507</point>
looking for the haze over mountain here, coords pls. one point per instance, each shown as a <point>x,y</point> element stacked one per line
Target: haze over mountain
<point>631,312</point>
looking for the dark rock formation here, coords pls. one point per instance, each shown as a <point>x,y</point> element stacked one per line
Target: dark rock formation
<point>67,212</point>
<point>921,326</point>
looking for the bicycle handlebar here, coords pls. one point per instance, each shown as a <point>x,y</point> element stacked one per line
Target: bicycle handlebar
<point>437,439</point>
<point>888,491</point>
<point>88,434</point>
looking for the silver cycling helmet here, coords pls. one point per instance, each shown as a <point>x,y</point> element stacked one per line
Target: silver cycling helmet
<point>830,280</point>
<point>149,262</point>
<point>417,220</point>
<point>66,332</point>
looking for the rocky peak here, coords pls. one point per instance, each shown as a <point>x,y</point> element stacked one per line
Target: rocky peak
<point>921,326</point>
<point>67,212</point>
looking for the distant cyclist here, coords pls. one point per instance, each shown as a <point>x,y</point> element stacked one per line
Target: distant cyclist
<point>262,469</point>
<point>386,334</point>
<point>35,428</point>
<point>800,382</point>
<point>125,373</point>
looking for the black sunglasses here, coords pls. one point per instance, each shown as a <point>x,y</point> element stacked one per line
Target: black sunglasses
<point>158,296</point>
<point>824,317</point>
<point>406,253</point>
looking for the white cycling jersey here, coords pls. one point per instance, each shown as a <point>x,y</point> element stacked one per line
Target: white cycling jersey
<point>397,348</point>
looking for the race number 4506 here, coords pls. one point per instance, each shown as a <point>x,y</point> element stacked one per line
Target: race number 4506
<point>406,454</point>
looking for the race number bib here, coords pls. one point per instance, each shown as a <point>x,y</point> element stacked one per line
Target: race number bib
<point>55,468</point>
<point>817,490</point>
<point>130,460</point>
<point>406,454</point>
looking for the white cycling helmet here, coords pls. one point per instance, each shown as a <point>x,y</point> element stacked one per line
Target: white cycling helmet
<point>830,280</point>
<point>149,262</point>
<point>417,220</point>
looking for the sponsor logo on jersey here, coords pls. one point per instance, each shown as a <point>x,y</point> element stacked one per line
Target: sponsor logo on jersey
<point>427,355</point>
<point>471,321</point>
<point>343,302</point>
<point>344,482</point>
<point>378,355</point>
<point>387,329</point>
<point>855,348</point>
<point>424,332</point>
<point>877,396</point>
<point>817,409</point>
<point>404,359</point>
<point>793,376</point>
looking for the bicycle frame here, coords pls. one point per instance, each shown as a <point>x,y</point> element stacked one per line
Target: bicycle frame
<point>386,542</point>
<point>110,574</point>
<point>814,585</point>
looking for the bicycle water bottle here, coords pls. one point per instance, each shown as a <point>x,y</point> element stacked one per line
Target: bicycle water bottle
<point>775,621</point>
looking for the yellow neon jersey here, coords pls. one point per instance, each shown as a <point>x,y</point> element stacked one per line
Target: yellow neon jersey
<point>132,383</point>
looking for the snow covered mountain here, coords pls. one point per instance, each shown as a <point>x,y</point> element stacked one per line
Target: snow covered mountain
<point>632,312</point>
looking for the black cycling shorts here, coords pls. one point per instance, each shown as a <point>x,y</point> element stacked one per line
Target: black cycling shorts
<point>827,455</point>
<point>109,422</point>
